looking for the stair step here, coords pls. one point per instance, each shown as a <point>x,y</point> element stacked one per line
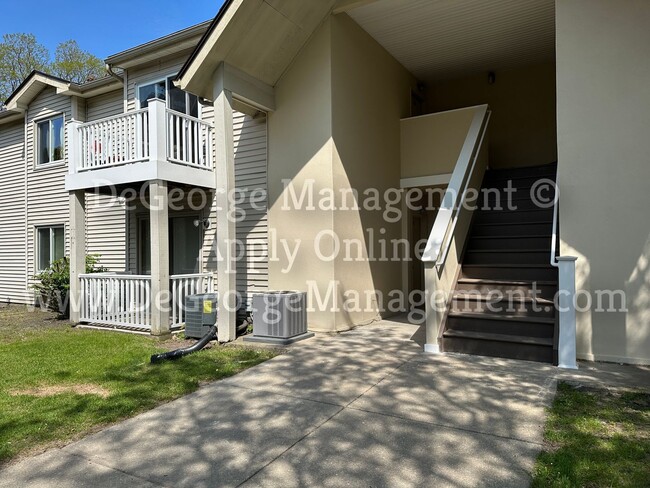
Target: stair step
<point>494,176</point>
<point>522,352</point>
<point>519,272</point>
<point>460,322</point>
<point>487,297</point>
<point>505,204</point>
<point>506,229</point>
<point>499,345</point>
<point>539,289</point>
<point>523,170</point>
<point>520,200</point>
<point>506,317</point>
<point>513,216</point>
<point>502,305</point>
<point>489,336</point>
<point>499,243</point>
<point>507,256</point>
<point>523,184</point>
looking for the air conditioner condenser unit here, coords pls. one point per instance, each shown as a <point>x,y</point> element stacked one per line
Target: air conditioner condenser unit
<point>279,317</point>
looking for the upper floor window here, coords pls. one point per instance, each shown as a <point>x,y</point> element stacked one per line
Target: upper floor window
<point>176,98</point>
<point>50,244</point>
<point>50,140</point>
<point>152,90</point>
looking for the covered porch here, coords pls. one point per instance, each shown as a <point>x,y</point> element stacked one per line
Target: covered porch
<point>168,255</point>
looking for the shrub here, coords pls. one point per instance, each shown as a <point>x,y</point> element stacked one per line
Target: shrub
<point>54,284</point>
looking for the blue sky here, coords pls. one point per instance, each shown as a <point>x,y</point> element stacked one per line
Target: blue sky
<point>105,27</point>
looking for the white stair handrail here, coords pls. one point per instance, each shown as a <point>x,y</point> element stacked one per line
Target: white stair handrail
<point>442,232</point>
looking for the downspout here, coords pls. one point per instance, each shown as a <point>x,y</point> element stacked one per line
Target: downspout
<point>113,74</point>
<point>25,200</point>
<point>122,79</point>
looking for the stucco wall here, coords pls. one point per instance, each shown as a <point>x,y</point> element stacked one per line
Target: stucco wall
<point>431,143</point>
<point>336,124</point>
<point>603,88</point>
<point>522,128</point>
<point>371,92</point>
<point>300,149</point>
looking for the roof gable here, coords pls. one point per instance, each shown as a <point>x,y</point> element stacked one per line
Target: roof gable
<point>259,37</point>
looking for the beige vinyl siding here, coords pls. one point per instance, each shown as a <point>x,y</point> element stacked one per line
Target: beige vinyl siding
<point>13,284</point>
<point>106,230</point>
<point>106,215</point>
<point>250,138</point>
<point>47,199</point>
<point>105,105</point>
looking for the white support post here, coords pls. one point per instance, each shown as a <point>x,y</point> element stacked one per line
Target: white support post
<point>432,324</point>
<point>157,130</point>
<point>159,223</point>
<point>567,312</point>
<point>74,146</point>
<point>226,230</point>
<point>77,200</point>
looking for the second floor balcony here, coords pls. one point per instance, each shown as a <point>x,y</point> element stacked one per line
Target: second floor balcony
<point>147,144</point>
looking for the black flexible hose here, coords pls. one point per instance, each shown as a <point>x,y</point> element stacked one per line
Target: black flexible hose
<point>179,353</point>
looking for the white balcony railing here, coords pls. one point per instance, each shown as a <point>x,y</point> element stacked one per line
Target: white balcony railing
<point>153,134</point>
<point>114,140</point>
<point>189,140</point>
<point>125,300</point>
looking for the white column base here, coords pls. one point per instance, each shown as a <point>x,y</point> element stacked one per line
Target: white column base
<point>567,313</point>
<point>432,349</point>
<point>568,366</point>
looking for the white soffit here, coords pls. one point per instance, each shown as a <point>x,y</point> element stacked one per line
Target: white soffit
<point>446,39</point>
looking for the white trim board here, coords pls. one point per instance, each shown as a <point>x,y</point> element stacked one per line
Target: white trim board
<point>431,180</point>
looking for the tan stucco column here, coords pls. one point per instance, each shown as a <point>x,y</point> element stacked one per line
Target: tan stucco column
<point>77,201</point>
<point>159,222</point>
<point>225,236</point>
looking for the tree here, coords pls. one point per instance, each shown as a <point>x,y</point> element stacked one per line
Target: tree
<point>74,64</point>
<point>20,54</point>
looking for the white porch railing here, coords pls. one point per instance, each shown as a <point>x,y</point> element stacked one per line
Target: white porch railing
<point>155,134</point>
<point>125,300</point>
<point>188,140</point>
<point>114,140</point>
<point>184,285</point>
<point>111,299</point>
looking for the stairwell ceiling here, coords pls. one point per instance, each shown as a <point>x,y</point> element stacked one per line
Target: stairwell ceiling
<point>447,39</point>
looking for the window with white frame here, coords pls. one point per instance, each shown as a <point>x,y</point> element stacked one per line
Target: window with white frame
<point>49,140</point>
<point>50,245</point>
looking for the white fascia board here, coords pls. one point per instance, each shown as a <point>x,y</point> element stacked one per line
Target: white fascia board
<point>247,88</point>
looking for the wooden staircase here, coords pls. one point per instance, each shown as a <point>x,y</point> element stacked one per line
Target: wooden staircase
<point>502,304</point>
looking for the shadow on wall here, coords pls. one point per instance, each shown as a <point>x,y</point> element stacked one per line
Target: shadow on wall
<point>613,302</point>
<point>337,124</point>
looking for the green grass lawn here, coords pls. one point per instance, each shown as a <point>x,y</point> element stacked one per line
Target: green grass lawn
<point>57,383</point>
<point>596,438</point>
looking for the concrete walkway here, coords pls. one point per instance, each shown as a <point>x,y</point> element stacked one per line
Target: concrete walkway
<point>364,408</point>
